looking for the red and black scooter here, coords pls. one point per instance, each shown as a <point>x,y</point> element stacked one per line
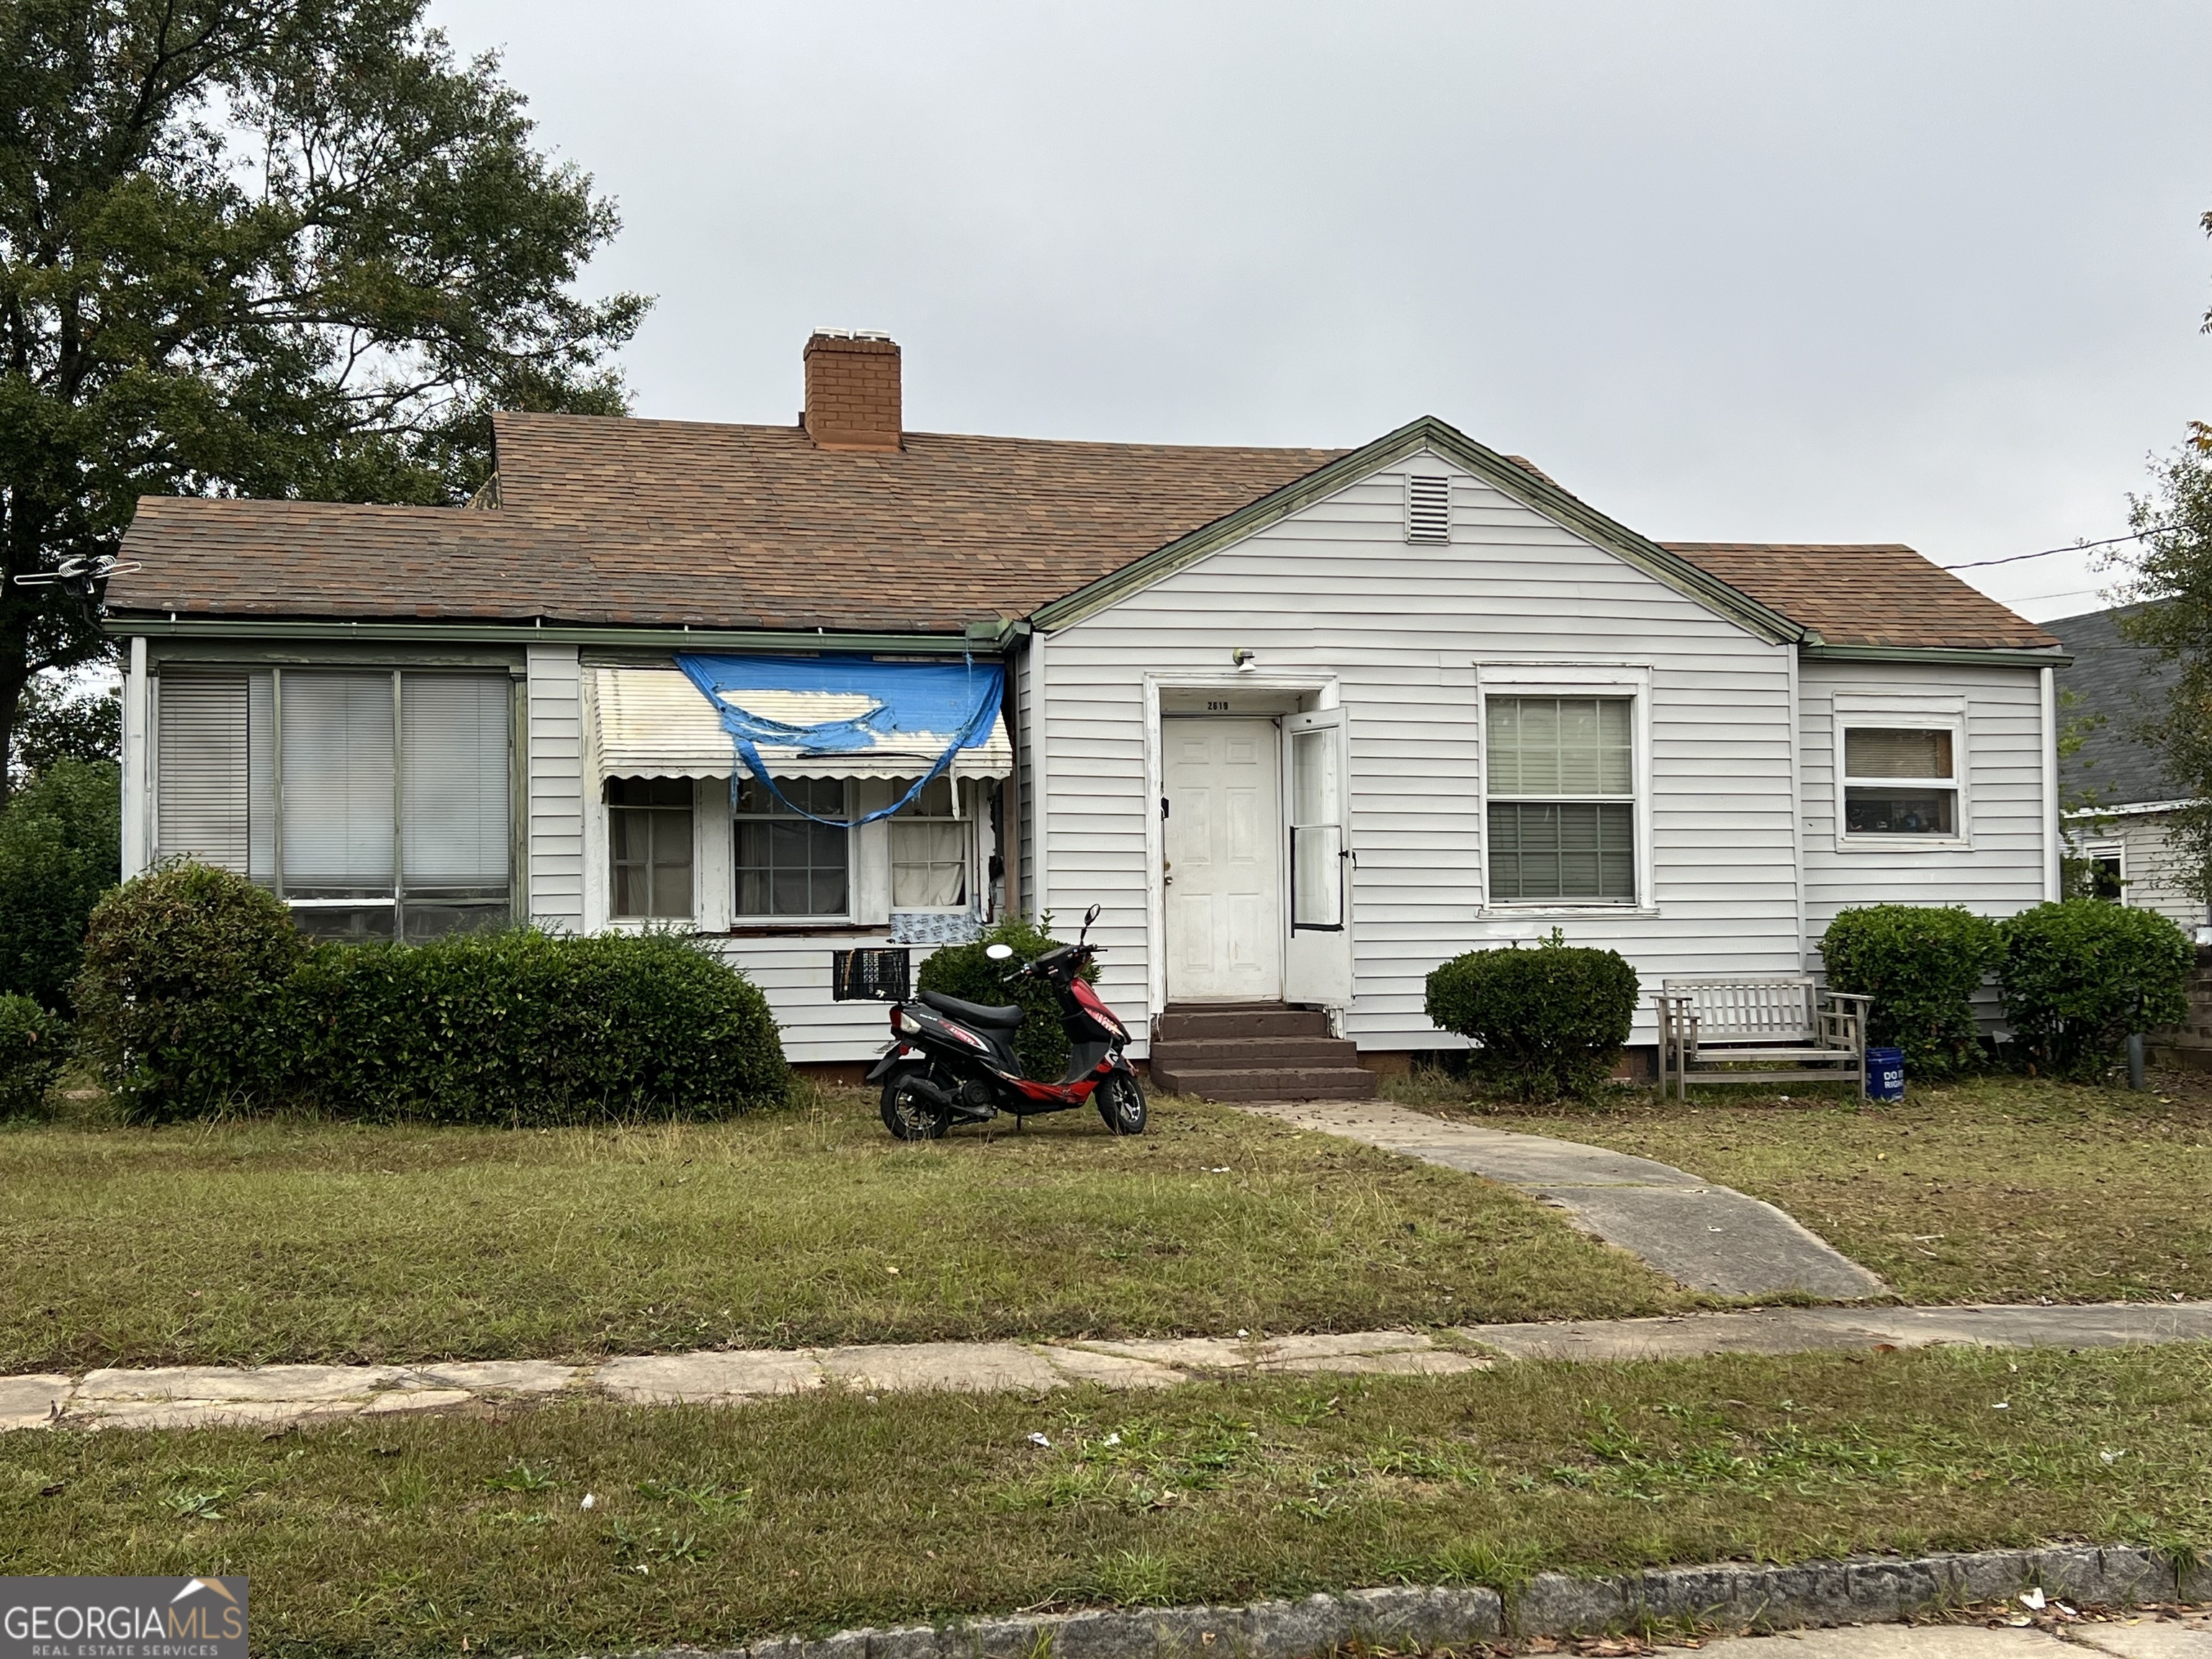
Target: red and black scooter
<point>951,1061</point>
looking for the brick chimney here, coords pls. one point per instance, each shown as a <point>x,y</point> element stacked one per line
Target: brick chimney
<point>851,391</point>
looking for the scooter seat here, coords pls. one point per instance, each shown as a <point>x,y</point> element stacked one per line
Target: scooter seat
<point>975,1013</point>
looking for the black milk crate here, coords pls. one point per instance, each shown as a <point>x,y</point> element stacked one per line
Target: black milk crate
<point>871,975</point>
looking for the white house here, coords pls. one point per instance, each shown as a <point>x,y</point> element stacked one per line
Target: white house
<point>1304,723</point>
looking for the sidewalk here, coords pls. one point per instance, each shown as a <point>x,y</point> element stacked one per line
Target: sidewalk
<point>196,1395</point>
<point>1707,1237</point>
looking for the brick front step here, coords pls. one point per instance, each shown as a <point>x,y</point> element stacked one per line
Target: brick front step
<point>1240,1020</point>
<point>1268,1083</point>
<point>1218,1053</point>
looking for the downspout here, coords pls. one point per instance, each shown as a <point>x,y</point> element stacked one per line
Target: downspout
<point>1797,813</point>
<point>2052,875</point>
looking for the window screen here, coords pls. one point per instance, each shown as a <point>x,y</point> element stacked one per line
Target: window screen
<point>787,864</point>
<point>1872,752</point>
<point>1316,832</point>
<point>1562,785</point>
<point>650,840</point>
<point>455,787</point>
<point>1920,761</point>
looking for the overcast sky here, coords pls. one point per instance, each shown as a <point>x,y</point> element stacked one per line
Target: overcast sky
<point>1916,272</point>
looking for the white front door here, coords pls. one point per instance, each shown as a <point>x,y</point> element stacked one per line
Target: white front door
<point>1223,847</point>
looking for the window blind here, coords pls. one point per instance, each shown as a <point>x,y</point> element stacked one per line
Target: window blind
<point>1873,752</point>
<point>454,783</point>
<point>261,776</point>
<point>201,796</point>
<point>338,783</point>
<point>1561,746</point>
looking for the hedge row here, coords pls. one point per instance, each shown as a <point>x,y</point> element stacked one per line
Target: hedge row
<point>199,997</point>
<point>2076,976</point>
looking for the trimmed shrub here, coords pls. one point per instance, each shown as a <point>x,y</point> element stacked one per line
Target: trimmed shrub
<point>175,999</point>
<point>1922,964</point>
<point>525,1027</point>
<point>2080,975</point>
<point>33,1044</point>
<point>963,971</point>
<point>1549,1022</point>
<point>60,849</point>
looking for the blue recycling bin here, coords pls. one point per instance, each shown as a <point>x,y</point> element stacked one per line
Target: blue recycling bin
<point>1885,1074</point>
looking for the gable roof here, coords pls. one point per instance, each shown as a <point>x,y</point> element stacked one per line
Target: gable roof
<point>619,522</point>
<point>1868,594</point>
<point>2113,677</point>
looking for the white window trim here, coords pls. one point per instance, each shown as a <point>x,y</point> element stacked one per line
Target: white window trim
<point>1904,714</point>
<point>2106,846</point>
<point>1511,679</point>
<point>742,919</point>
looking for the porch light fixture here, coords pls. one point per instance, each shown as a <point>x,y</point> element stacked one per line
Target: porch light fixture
<point>1245,658</point>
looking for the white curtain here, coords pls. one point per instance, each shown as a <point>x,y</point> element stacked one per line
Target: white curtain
<point>337,781</point>
<point>454,786</point>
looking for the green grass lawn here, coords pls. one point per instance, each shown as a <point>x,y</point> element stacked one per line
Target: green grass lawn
<point>277,1241</point>
<point>405,1536</point>
<point>2003,1189</point>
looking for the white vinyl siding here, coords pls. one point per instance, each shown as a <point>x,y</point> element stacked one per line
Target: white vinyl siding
<point>555,871</point>
<point>1996,865</point>
<point>1334,590</point>
<point>201,727</point>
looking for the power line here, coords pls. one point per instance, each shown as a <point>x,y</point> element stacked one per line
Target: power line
<point>2014,558</point>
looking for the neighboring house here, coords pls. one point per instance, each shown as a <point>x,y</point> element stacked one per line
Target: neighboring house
<point>2116,684</point>
<point>1304,723</point>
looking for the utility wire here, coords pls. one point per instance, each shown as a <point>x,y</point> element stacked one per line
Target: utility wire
<point>2014,558</point>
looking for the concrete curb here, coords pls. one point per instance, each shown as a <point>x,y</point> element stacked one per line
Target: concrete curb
<point>1731,1596</point>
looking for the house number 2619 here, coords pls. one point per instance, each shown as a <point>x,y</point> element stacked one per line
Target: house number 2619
<point>1217,708</point>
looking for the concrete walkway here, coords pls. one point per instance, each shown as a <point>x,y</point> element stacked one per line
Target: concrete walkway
<point>2185,1636</point>
<point>1709,1237</point>
<point>187,1396</point>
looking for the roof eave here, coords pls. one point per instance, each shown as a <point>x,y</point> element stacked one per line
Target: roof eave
<point>1536,493</point>
<point>989,637</point>
<point>2022,656</point>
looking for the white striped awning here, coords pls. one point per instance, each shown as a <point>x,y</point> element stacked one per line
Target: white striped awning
<point>654,723</point>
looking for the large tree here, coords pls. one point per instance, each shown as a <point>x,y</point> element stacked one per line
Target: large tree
<point>2171,583</point>
<point>264,248</point>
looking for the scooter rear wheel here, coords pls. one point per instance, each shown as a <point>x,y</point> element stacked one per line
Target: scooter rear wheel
<point>908,1114</point>
<point>1122,1103</point>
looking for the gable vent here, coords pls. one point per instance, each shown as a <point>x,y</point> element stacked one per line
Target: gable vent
<point>1428,509</point>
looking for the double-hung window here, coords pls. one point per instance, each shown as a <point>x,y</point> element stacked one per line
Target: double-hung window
<point>787,865</point>
<point>1562,799</point>
<point>376,803</point>
<point>649,846</point>
<point>1901,781</point>
<point>930,852</point>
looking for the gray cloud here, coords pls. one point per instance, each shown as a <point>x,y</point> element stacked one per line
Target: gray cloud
<point>1913,272</point>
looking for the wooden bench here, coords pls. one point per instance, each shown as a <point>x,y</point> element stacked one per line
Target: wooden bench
<point>1776,1028</point>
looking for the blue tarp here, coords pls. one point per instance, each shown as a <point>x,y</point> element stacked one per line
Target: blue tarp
<point>924,708</point>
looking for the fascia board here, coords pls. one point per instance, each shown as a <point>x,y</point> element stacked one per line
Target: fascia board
<point>1958,655</point>
<point>1537,495</point>
<point>991,639</point>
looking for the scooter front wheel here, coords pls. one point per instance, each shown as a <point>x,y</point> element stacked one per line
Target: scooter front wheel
<point>908,1114</point>
<point>1122,1103</point>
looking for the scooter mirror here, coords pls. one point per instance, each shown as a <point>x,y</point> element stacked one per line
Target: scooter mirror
<point>997,953</point>
<point>1091,915</point>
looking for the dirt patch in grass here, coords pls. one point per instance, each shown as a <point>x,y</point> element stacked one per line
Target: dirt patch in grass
<point>302,1241</point>
<point>714,1527</point>
<point>2002,1189</point>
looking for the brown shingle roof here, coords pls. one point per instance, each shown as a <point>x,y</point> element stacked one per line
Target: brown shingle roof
<point>671,522</point>
<point>1881,594</point>
<point>624,522</point>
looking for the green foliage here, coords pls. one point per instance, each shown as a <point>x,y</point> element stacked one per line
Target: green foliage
<point>1922,964</point>
<point>51,726</point>
<point>267,247</point>
<point>2080,975</point>
<point>2171,591</point>
<point>198,996</point>
<point>525,1027</point>
<point>1547,1022</point>
<point>175,1002</point>
<point>60,849</point>
<point>963,971</point>
<point>33,1044</point>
